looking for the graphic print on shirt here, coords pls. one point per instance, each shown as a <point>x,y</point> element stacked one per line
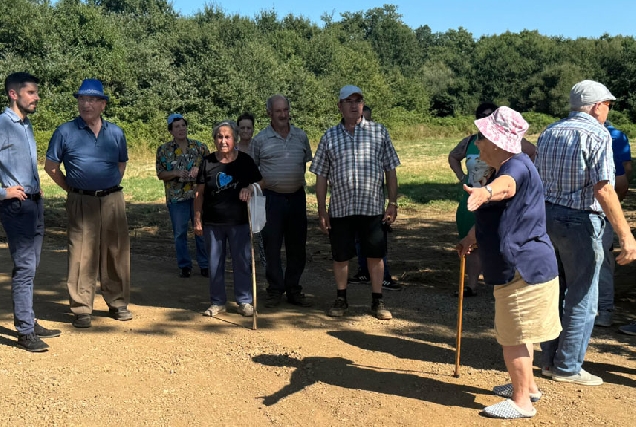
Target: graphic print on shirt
<point>224,182</point>
<point>478,171</point>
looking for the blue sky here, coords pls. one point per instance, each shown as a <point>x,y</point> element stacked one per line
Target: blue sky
<point>582,18</point>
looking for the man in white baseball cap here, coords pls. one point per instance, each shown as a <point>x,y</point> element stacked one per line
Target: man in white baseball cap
<point>574,160</point>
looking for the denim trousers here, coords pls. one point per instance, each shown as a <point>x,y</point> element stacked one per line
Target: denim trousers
<point>23,222</point>
<point>217,238</point>
<point>286,222</point>
<point>577,239</point>
<point>606,278</point>
<point>182,213</point>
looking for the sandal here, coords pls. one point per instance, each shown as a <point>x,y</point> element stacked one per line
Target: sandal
<point>507,410</point>
<point>468,292</point>
<point>507,389</point>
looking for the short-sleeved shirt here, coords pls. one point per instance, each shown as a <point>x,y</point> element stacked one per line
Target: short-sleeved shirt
<point>573,155</point>
<point>620,148</point>
<point>91,163</point>
<point>18,154</point>
<point>223,183</point>
<point>282,161</point>
<point>511,233</point>
<point>354,164</point>
<point>170,157</point>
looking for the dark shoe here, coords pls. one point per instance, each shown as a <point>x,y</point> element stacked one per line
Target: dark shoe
<point>273,300</point>
<point>185,272</point>
<point>42,332</point>
<point>339,308</point>
<point>468,292</point>
<point>359,278</point>
<point>82,321</point>
<point>121,313</point>
<point>380,311</point>
<point>300,300</point>
<point>205,272</point>
<point>391,285</point>
<point>31,342</point>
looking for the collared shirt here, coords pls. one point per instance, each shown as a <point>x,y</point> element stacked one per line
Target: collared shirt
<point>573,155</point>
<point>170,157</point>
<point>282,161</point>
<point>91,163</point>
<point>18,154</point>
<point>355,165</point>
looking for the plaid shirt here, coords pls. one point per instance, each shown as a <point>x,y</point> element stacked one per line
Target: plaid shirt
<point>573,155</point>
<point>354,165</point>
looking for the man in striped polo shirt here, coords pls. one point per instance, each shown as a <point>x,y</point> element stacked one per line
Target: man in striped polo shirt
<point>574,160</point>
<point>281,151</point>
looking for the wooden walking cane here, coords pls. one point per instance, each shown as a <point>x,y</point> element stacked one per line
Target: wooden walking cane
<point>255,316</point>
<point>458,340</point>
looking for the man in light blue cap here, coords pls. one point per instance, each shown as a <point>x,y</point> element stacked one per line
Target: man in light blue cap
<point>94,153</point>
<point>574,160</point>
<point>177,166</point>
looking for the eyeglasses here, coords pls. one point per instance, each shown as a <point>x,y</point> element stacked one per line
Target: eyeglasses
<point>88,99</point>
<point>353,101</point>
<point>608,104</point>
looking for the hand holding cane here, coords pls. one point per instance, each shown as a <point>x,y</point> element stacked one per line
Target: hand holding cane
<point>458,340</point>
<point>255,316</point>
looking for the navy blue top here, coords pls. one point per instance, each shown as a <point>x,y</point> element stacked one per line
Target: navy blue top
<point>90,163</point>
<point>620,148</point>
<point>18,154</point>
<point>511,233</point>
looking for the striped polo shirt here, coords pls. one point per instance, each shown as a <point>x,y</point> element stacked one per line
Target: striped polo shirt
<point>282,161</point>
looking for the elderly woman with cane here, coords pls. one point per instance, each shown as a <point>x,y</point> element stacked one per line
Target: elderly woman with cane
<point>516,255</point>
<point>224,185</point>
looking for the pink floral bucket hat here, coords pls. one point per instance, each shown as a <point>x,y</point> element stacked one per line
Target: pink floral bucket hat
<point>505,128</point>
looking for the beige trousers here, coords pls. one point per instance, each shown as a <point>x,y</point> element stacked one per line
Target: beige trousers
<point>98,249</point>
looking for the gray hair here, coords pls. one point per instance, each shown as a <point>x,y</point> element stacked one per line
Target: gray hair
<point>273,98</point>
<point>584,109</point>
<point>230,123</point>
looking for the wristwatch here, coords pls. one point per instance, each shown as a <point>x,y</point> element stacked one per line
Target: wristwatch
<point>393,204</point>
<point>489,190</point>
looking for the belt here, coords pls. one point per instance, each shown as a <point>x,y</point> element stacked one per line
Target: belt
<point>96,193</point>
<point>35,196</point>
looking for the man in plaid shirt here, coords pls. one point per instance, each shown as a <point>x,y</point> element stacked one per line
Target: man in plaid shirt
<point>574,160</point>
<point>353,157</point>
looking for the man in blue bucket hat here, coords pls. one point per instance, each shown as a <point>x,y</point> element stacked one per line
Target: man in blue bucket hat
<point>94,154</point>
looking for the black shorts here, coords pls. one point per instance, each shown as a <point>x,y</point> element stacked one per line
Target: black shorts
<point>369,229</point>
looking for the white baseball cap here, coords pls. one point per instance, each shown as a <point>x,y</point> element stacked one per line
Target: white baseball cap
<point>349,90</point>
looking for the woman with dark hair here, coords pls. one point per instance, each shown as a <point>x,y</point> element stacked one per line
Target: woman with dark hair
<point>245,124</point>
<point>224,185</point>
<point>517,256</point>
<point>477,172</point>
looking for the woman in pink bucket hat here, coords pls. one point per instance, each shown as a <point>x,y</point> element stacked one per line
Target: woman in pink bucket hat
<point>517,257</point>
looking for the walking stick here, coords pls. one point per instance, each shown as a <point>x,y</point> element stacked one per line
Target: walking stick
<point>255,316</point>
<point>458,340</point>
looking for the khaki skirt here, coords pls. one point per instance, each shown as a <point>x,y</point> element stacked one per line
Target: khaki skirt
<point>527,313</point>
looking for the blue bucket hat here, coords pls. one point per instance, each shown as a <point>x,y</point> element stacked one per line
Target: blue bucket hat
<point>91,87</point>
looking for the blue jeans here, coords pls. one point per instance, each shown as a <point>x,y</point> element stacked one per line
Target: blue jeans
<point>606,278</point>
<point>286,221</point>
<point>180,214</point>
<point>362,263</point>
<point>577,239</point>
<point>23,222</point>
<point>238,237</point>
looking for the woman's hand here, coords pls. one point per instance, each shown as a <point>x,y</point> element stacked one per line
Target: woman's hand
<point>476,197</point>
<point>246,193</point>
<point>323,221</point>
<point>465,246</point>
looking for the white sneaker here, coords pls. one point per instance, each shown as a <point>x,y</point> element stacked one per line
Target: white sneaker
<point>246,309</point>
<point>213,310</point>
<point>582,378</point>
<point>628,329</point>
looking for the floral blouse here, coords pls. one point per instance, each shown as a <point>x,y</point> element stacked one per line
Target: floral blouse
<point>170,157</point>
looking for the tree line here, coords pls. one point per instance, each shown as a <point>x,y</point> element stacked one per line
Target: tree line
<point>213,65</point>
